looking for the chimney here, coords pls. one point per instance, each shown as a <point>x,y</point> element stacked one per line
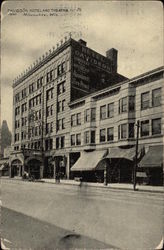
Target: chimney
<point>112,55</point>
<point>82,42</point>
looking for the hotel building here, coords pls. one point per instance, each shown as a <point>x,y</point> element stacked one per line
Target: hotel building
<point>74,115</point>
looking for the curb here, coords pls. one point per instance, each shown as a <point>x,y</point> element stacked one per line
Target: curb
<point>85,184</point>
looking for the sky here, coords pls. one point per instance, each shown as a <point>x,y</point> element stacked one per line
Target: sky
<point>134,28</point>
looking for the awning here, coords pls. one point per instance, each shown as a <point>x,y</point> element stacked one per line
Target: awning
<point>129,153</point>
<point>153,158</point>
<point>88,160</point>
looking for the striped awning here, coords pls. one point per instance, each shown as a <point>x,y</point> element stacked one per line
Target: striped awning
<point>88,161</point>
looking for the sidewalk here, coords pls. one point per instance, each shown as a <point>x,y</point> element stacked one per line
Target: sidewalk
<point>120,186</point>
<point>123,186</point>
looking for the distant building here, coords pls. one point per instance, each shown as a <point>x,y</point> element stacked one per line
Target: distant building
<point>5,136</point>
<point>73,108</point>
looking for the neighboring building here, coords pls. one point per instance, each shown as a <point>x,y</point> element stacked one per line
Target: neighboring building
<point>74,115</point>
<point>105,135</point>
<point>41,118</point>
<point>5,136</point>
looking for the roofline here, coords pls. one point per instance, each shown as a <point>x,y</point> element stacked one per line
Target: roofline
<point>132,80</point>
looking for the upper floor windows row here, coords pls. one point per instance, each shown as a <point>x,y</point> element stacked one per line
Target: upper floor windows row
<point>90,115</point>
<point>35,101</point>
<point>60,142</point>
<point>154,124</point>
<point>76,119</point>
<point>106,134</point>
<point>75,139</point>
<point>107,111</point>
<point>155,101</point>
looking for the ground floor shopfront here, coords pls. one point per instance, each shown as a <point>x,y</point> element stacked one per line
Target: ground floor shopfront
<point>110,165</point>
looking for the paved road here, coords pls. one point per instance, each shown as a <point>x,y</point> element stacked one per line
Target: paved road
<point>49,216</point>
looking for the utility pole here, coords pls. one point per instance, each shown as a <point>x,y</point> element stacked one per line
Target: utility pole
<point>136,157</point>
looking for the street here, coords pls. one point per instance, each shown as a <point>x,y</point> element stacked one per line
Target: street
<point>51,216</point>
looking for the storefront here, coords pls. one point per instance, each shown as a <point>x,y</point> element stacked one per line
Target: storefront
<point>152,165</point>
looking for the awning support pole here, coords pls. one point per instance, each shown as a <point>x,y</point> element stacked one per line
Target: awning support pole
<point>136,156</point>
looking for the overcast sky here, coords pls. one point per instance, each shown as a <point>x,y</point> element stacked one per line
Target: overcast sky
<point>134,28</point>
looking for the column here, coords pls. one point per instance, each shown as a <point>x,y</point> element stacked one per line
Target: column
<point>68,166</point>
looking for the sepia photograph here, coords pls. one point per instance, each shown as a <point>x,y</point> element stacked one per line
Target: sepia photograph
<point>82,125</point>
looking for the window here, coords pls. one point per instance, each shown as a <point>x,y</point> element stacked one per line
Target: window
<point>156,97</point>
<point>93,114</point>
<point>123,105</point>
<point>131,130</point>
<point>39,82</point>
<point>17,97</point>
<point>61,88</point>
<point>49,94</point>
<point>62,142</point>
<point>131,103</point>
<point>23,93</point>
<point>63,105</point>
<point>63,123</point>
<point>92,136</point>
<point>123,131</point>
<point>59,106</point>
<point>57,142</point>
<point>49,76</point>
<point>24,107</point>
<point>145,128</point>
<point>48,144</point>
<point>111,110</point>
<point>86,137</point>
<point>145,100</point>
<point>72,140</point>
<point>110,134</point>
<point>61,68</point>
<point>78,119</point>
<point>87,115</point>
<point>102,135</point>
<point>78,139</point>
<point>49,127</point>
<point>156,126</point>
<point>31,88</point>
<point>49,110</point>
<point>103,112</point>
<point>73,120</point>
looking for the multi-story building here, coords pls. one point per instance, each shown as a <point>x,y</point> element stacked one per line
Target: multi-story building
<point>105,135</point>
<point>74,115</point>
<point>41,111</point>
